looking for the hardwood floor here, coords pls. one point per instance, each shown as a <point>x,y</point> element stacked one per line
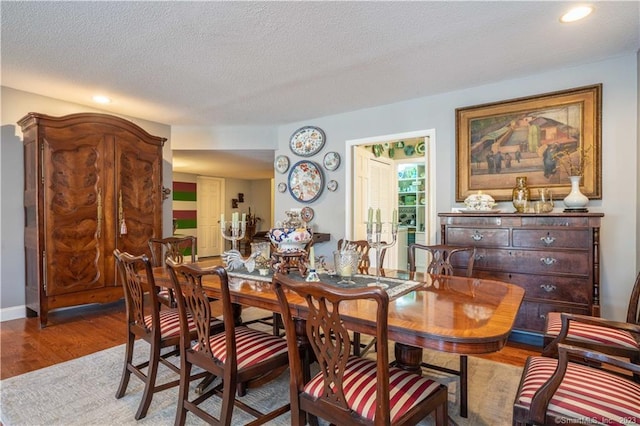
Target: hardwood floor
<point>80,331</point>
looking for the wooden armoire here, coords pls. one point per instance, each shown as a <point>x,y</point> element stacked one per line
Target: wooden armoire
<point>92,183</point>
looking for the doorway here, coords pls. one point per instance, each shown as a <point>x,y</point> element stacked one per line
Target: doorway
<point>210,196</point>
<point>366,179</point>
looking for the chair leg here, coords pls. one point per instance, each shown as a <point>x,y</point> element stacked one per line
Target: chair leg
<point>126,372</point>
<point>183,393</point>
<point>228,399</point>
<point>150,383</point>
<point>463,386</point>
<point>442,412</point>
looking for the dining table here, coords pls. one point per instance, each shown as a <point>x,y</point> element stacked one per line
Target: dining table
<point>452,314</point>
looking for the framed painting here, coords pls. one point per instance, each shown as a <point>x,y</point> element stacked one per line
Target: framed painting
<point>541,137</point>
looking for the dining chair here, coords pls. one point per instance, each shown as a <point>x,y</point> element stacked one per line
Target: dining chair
<point>559,391</point>
<point>595,333</point>
<point>177,249</point>
<point>439,258</point>
<point>237,355</point>
<point>350,389</point>
<point>145,321</point>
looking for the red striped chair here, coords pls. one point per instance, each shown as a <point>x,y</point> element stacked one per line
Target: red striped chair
<point>599,334</point>
<point>553,392</point>
<point>349,389</point>
<point>159,328</point>
<point>239,355</point>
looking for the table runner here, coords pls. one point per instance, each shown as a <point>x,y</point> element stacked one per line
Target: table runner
<point>396,286</point>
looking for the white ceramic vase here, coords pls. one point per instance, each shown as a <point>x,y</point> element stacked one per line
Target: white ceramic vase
<point>575,199</point>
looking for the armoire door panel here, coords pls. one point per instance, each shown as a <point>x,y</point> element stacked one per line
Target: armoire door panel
<point>139,195</point>
<point>73,186</point>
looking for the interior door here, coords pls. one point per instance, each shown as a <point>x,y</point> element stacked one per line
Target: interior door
<point>209,204</point>
<point>382,196</point>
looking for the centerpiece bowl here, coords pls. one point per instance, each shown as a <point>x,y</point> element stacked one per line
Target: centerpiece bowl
<point>290,239</point>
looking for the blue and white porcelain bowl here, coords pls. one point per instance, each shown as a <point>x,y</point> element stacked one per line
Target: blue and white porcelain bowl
<point>290,239</point>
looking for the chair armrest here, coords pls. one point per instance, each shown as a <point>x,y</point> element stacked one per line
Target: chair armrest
<point>542,397</point>
<point>586,319</point>
<point>566,318</point>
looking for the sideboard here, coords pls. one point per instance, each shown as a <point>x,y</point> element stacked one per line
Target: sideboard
<point>555,257</point>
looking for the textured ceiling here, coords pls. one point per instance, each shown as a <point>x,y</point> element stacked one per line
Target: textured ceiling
<point>268,63</point>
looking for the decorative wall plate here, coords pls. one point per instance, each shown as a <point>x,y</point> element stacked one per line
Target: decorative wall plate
<point>307,141</point>
<point>307,214</point>
<point>420,148</point>
<point>306,181</point>
<point>331,161</point>
<point>281,163</point>
<point>332,185</point>
<point>282,187</point>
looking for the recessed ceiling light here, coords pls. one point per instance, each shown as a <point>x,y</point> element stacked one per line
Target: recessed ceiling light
<point>576,14</point>
<point>101,99</point>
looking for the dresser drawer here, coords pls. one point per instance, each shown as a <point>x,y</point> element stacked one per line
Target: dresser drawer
<point>480,237</point>
<point>560,289</point>
<point>532,315</point>
<point>548,262</point>
<point>552,238</point>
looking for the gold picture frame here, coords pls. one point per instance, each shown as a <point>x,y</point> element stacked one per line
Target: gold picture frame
<point>496,142</point>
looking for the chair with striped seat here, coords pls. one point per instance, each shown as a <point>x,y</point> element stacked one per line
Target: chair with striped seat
<point>558,391</point>
<point>611,337</point>
<point>178,249</point>
<point>239,355</point>
<point>350,389</point>
<point>145,321</point>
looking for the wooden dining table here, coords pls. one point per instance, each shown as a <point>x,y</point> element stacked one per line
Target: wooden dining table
<point>458,315</point>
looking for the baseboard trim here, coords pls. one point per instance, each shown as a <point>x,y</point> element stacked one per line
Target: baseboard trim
<point>527,338</point>
<point>13,312</point>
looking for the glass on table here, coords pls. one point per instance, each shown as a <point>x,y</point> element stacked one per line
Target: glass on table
<point>346,263</point>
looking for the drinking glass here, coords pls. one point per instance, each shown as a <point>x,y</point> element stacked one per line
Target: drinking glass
<point>346,263</point>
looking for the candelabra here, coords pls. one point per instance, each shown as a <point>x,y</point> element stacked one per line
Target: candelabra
<point>375,241</point>
<point>238,229</point>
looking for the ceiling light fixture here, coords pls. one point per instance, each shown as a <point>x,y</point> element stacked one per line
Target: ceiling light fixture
<point>101,99</point>
<point>576,14</point>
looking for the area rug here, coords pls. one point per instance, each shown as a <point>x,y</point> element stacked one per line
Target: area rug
<point>81,392</point>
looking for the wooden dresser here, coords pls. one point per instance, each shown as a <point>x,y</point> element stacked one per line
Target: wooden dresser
<point>92,183</point>
<point>555,257</point>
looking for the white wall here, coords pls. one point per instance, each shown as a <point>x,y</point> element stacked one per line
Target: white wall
<point>619,233</point>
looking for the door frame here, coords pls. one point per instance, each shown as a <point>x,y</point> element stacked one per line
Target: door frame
<point>429,136</point>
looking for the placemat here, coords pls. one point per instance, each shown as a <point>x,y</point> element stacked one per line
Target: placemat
<point>396,286</point>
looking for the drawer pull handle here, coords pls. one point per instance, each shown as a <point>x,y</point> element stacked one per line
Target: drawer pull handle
<point>543,316</point>
<point>476,236</point>
<point>548,260</point>
<point>548,287</point>
<point>548,240</point>
<point>478,257</point>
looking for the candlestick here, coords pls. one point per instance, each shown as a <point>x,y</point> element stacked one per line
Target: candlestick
<point>375,241</point>
<point>237,232</point>
<point>312,260</point>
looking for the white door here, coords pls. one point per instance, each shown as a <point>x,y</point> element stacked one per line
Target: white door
<point>210,196</point>
<point>360,192</point>
<point>382,195</point>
